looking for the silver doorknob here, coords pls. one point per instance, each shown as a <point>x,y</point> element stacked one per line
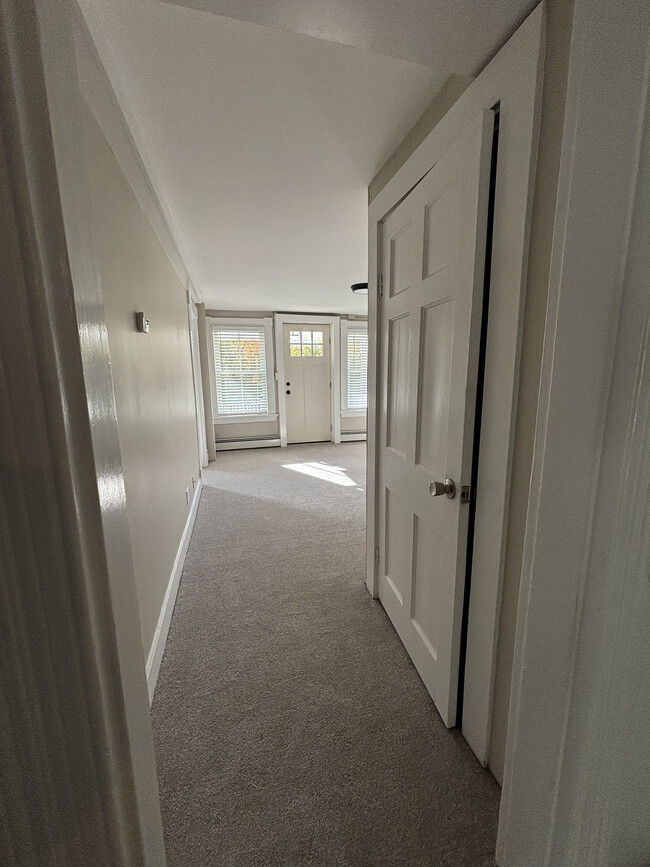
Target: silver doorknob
<point>446,488</point>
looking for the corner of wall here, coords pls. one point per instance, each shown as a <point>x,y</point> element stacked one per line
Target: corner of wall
<point>448,94</point>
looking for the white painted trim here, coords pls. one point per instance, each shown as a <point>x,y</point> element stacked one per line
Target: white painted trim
<point>195,353</point>
<point>514,79</point>
<point>351,437</point>
<point>245,419</point>
<point>565,788</point>
<point>157,648</point>
<point>238,321</point>
<point>212,371</point>
<point>282,319</point>
<point>231,445</point>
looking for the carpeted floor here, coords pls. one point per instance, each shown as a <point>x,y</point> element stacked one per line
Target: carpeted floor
<point>290,725</point>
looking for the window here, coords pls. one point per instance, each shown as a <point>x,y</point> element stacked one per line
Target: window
<point>243,370</point>
<point>355,367</point>
<point>308,344</point>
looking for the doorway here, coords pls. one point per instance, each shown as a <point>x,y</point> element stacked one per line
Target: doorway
<point>307,348</point>
<point>309,407</point>
<point>508,83</point>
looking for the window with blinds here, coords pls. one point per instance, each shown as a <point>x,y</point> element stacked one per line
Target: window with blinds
<point>357,351</point>
<point>240,370</point>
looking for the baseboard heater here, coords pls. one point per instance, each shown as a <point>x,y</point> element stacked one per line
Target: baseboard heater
<point>350,435</point>
<point>262,442</point>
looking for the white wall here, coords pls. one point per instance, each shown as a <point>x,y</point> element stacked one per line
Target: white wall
<point>152,373</point>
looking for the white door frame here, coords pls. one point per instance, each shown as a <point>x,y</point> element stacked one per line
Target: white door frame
<point>513,79</point>
<point>578,707</point>
<point>281,319</point>
<point>198,385</point>
<point>60,307</point>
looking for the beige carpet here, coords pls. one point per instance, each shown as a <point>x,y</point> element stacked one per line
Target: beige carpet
<point>291,727</point>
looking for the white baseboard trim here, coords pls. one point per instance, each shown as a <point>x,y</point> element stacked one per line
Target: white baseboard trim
<point>350,437</point>
<point>162,627</point>
<point>226,445</point>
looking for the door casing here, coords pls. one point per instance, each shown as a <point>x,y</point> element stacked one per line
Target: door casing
<point>512,80</point>
<point>575,784</point>
<point>198,389</point>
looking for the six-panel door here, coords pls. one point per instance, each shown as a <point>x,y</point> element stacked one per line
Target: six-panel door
<point>429,322</point>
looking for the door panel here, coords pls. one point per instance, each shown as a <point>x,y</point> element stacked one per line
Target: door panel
<point>399,361</point>
<point>398,524</point>
<point>425,604</point>
<point>307,382</point>
<point>401,260</point>
<point>433,251</point>
<point>441,230</point>
<point>436,343</point>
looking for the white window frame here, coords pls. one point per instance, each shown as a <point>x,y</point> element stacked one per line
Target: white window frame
<point>357,325</point>
<point>267,324</point>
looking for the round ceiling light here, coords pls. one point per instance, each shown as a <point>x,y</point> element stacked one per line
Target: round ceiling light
<point>359,288</point>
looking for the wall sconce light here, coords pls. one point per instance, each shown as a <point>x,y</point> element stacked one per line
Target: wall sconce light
<point>141,323</point>
<point>359,288</point>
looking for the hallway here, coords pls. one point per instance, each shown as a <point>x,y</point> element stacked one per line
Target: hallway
<point>290,725</point>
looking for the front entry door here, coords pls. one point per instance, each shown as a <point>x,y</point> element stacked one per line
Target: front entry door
<point>307,383</point>
<point>429,324</point>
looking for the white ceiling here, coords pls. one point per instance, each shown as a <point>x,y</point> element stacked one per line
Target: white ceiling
<point>261,142</point>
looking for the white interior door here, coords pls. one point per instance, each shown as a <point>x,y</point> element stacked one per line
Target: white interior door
<point>429,322</point>
<point>307,384</point>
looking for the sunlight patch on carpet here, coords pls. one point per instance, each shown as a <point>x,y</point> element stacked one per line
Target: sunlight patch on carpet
<point>318,470</point>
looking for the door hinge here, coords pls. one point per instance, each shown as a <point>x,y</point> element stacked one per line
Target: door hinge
<point>377,557</point>
<point>465,494</point>
<point>380,285</point>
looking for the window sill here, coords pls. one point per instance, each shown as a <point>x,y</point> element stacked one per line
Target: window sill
<point>353,413</point>
<point>244,419</point>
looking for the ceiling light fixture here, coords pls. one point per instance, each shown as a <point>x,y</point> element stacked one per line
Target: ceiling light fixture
<point>359,288</point>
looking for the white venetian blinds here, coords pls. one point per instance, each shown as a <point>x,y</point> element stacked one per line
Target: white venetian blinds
<point>357,367</point>
<point>240,369</point>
